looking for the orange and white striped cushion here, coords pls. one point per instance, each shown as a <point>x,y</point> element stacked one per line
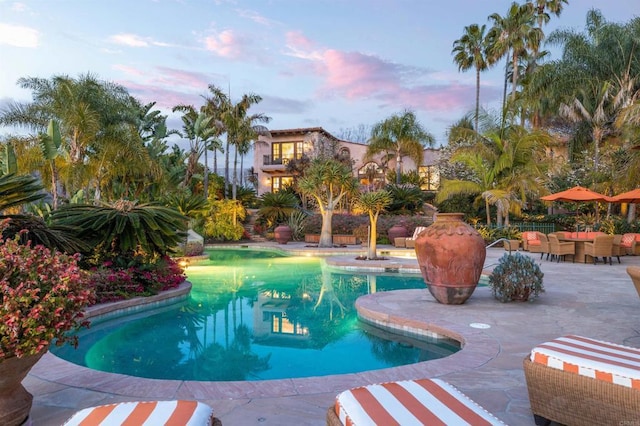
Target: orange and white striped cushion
<point>152,413</point>
<point>410,402</point>
<point>592,358</point>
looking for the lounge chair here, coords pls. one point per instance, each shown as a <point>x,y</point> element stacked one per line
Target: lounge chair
<point>407,402</point>
<point>174,413</point>
<point>410,242</point>
<point>634,273</point>
<point>576,380</point>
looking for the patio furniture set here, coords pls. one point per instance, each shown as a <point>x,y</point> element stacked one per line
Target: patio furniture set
<point>579,245</point>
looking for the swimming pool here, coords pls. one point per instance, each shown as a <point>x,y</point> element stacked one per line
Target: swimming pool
<point>256,315</point>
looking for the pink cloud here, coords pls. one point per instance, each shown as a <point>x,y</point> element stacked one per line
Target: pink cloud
<point>356,75</point>
<point>167,86</point>
<point>300,46</point>
<point>164,96</point>
<point>227,44</point>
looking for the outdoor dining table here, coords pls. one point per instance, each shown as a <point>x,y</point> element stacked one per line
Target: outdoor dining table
<point>579,242</point>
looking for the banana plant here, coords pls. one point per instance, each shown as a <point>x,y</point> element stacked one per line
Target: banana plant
<point>8,161</point>
<point>50,146</point>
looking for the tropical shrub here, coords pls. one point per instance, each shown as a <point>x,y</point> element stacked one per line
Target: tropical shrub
<point>43,294</point>
<point>275,208</point>
<point>124,229</point>
<point>113,282</point>
<point>223,222</point>
<point>405,198</point>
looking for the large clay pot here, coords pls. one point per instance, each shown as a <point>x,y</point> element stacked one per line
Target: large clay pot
<point>15,401</point>
<point>397,231</point>
<point>282,234</point>
<point>451,257</point>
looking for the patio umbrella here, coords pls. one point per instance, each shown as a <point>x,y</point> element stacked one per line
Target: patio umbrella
<point>577,193</point>
<point>632,196</point>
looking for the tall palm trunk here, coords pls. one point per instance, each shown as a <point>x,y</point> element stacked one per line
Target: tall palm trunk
<point>235,174</point>
<point>226,168</point>
<point>206,173</point>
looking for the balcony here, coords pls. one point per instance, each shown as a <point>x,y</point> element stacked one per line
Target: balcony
<point>267,160</point>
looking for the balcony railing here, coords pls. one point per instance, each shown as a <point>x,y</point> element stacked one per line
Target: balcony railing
<point>267,160</point>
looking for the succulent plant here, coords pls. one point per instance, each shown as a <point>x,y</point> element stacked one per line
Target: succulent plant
<point>516,277</point>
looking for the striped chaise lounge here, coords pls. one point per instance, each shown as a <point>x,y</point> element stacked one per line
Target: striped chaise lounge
<point>407,402</point>
<point>575,380</point>
<point>148,413</point>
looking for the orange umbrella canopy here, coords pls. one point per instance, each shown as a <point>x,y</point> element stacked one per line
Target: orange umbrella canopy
<point>577,193</point>
<point>632,196</point>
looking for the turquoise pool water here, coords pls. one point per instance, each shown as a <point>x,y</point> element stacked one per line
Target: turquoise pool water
<point>256,315</point>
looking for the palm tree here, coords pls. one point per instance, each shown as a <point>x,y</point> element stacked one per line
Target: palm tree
<point>402,135</point>
<point>240,127</point>
<point>592,108</point>
<point>471,51</point>
<point>511,36</point>
<point>542,7</point>
<point>91,114</point>
<point>506,165</point>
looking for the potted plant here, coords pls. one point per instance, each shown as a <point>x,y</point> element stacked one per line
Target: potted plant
<point>516,278</point>
<point>43,294</point>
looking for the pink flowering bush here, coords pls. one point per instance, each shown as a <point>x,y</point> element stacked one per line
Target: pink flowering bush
<point>112,283</point>
<point>42,294</point>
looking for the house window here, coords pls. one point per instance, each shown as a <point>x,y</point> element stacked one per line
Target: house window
<point>280,182</point>
<point>282,152</point>
<point>371,174</point>
<point>430,178</point>
<point>280,324</point>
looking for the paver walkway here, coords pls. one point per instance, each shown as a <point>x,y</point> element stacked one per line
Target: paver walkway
<point>597,301</point>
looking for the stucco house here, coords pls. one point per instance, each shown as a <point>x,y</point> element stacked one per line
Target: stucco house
<point>273,154</point>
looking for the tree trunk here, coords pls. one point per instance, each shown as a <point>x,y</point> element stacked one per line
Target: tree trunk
<point>326,239</point>
<point>477,98</point>
<point>226,169</point>
<point>373,231</point>
<point>486,206</point>
<point>398,167</point>
<point>206,172</point>
<point>235,174</point>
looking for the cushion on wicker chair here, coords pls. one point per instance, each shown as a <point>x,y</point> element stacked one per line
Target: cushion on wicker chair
<point>173,413</point>
<point>627,240</point>
<point>424,401</point>
<point>592,358</point>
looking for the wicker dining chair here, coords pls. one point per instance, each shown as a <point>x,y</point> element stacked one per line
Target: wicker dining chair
<point>543,247</point>
<point>617,249</point>
<point>602,246</point>
<point>558,249</point>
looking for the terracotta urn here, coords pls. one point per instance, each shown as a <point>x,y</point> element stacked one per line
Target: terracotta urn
<point>282,234</point>
<point>397,231</point>
<point>15,401</point>
<point>451,256</point>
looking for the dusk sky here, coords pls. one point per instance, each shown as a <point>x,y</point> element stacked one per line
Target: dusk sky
<point>336,64</point>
